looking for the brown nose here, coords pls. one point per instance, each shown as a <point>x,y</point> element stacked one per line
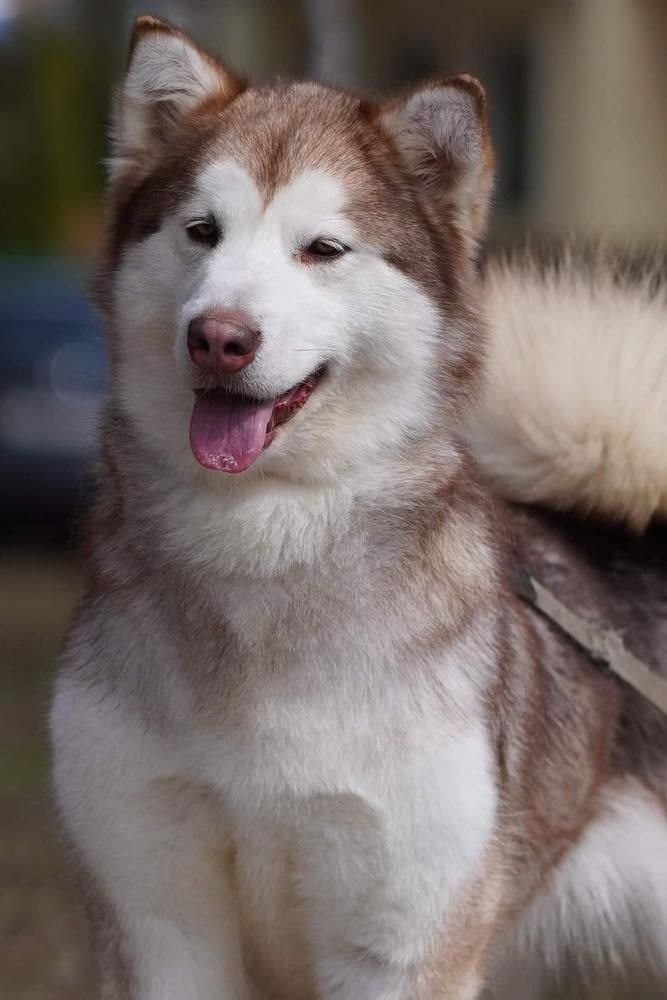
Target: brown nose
<point>222,341</point>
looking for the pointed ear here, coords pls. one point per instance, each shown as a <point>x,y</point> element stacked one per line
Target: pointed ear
<point>167,76</point>
<point>441,130</point>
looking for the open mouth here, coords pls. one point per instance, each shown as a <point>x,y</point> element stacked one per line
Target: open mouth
<point>228,432</point>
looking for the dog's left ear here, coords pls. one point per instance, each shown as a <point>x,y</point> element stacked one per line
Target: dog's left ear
<point>441,129</point>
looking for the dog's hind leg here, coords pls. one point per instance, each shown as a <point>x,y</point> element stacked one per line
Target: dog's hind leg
<point>602,916</point>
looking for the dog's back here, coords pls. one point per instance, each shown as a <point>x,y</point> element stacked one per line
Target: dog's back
<point>569,427</point>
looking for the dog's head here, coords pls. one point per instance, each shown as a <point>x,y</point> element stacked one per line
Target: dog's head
<point>288,268</point>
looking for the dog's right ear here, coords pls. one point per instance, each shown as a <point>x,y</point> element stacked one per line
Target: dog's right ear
<point>168,75</point>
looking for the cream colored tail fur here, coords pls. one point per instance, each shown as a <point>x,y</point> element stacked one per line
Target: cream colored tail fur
<point>573,413</point>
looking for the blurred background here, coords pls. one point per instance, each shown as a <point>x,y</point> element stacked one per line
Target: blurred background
<point>578,93</point>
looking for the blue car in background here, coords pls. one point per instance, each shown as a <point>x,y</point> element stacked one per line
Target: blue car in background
<point>53,379</point>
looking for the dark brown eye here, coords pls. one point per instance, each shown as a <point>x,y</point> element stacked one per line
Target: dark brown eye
<point>325,248</point>
<point>203,231</point>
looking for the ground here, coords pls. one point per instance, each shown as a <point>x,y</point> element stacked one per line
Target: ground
<point>43,952</point>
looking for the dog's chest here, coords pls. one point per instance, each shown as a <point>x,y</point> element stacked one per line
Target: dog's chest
<point>291,738</point>
<point>348,768</point>
<point>331,791</point>
<point>330,702</point>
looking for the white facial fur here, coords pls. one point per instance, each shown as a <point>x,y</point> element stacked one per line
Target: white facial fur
<point>374,328</point>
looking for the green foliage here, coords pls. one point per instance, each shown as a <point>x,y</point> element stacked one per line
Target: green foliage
<point>53,119</point>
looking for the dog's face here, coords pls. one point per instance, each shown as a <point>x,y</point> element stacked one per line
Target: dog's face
<point>286,269</point>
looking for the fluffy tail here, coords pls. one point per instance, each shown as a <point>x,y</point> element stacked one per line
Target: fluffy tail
<point>573,411</point>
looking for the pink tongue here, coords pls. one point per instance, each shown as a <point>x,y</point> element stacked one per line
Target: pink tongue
<point>226,432</point>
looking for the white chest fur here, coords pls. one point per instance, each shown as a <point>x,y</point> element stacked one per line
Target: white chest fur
<point>357,810</point>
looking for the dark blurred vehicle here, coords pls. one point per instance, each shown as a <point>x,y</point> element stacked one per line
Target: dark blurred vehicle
<point>52,387</point>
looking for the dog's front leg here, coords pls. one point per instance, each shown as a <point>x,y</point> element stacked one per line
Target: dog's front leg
<point>164,926</point>
<point>449,964</point>
<point>399,884</point>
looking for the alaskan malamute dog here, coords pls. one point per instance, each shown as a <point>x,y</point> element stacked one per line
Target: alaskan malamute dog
<point>309,743</point>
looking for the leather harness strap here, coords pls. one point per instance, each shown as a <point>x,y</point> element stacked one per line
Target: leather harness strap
<point>599,641</point>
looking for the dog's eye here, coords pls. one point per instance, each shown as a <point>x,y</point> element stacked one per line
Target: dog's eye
<point>203,231</point>
<point>324,249</point>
